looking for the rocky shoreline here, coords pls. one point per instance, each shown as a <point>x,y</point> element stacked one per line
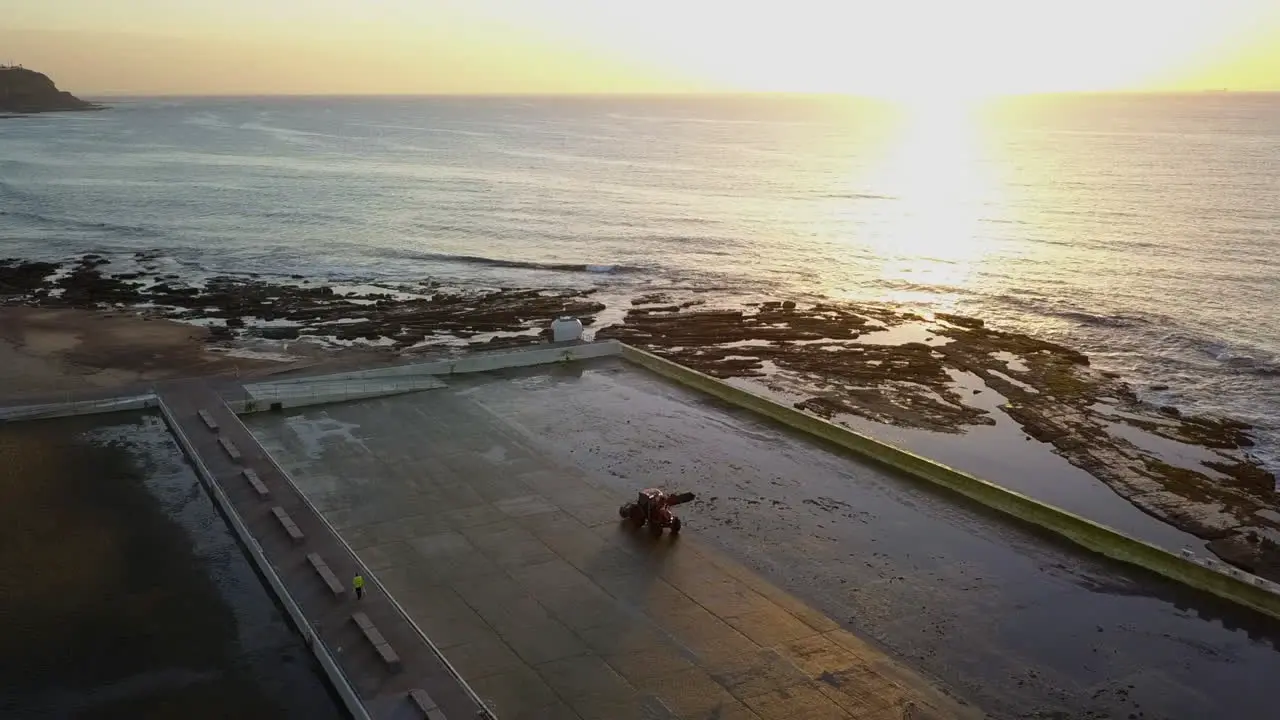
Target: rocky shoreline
<point>899,368</point>
<point>838,361</point>
<point>404,318</point>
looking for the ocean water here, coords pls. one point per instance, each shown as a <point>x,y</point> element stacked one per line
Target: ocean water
<point>1143,230</point>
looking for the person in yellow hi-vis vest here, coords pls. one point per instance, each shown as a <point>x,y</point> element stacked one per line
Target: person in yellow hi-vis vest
<point>357,582</point>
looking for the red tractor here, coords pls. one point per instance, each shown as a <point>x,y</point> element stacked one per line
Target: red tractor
<point>653,506</point>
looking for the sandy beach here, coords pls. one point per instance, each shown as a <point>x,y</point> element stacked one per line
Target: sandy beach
<point>73,350</point>
<point>67,350</point>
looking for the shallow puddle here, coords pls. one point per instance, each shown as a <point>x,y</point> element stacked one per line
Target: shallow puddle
<point>1178,454</point>
<point>903,334</point>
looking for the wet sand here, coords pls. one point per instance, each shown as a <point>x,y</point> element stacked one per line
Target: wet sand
<point>45,352</point>
<point>49,351</point>
<point>124,594</point>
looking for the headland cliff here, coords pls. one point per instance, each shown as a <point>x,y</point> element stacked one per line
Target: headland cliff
<point>27,91</point>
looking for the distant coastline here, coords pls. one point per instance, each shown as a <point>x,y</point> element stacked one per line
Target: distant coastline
<point>133,96</point>
<point>24,92</point>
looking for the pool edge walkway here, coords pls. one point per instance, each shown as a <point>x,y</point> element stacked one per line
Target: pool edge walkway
<point>377,653</point>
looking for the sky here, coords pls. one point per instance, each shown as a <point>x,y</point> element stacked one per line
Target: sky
<point>885,48</point>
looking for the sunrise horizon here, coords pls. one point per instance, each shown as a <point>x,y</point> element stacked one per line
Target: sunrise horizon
<point>697,359</point>
<point>983,49</point>
<point>664,94</point>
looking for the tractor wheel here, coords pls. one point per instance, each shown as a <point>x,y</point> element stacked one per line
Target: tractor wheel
<point>675,525</point>
<point>655,528</point>
<point>622,511</point>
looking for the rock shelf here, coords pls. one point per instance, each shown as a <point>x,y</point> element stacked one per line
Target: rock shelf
<point>844,361</point>
<point>235,307</point>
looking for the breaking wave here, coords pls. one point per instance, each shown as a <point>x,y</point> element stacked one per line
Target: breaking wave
<point>79,225</point>
<point>1243,359</point>
<point>1088,318</point>
<point>608,269</point>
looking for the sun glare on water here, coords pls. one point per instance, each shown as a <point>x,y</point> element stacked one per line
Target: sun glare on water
<point>940,187</point>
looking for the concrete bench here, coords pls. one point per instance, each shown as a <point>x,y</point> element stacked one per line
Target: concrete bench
<point>256,483</point>
<point>232,451</point>
<point>208,420</point>
<point>423,703</point>
<point>287,523</point>
<point>380,644</point>
<point>326,574</point>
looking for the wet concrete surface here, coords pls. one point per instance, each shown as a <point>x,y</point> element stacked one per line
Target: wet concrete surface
<point>517,567</point>
<point>123,593</point>
<point>1015,622</point>
<point>381,656</point>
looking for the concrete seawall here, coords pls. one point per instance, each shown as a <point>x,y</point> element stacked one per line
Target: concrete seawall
<point>329,388</point>
<point>323,390</point>
<point>1243,590</point>
<point>69,408</point>
<point>477,362</point>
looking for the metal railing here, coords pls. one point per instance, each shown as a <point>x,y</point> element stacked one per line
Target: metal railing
<point>267,396</point>
<point>69,403</point>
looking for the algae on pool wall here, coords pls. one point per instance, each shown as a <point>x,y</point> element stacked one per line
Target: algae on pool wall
<point>123,592</point>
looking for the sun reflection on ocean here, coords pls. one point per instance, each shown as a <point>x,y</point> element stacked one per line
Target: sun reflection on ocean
<point>938,186</point>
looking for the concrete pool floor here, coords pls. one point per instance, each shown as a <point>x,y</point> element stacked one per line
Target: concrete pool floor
<point>488,509</point>
<point>124,594</point>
